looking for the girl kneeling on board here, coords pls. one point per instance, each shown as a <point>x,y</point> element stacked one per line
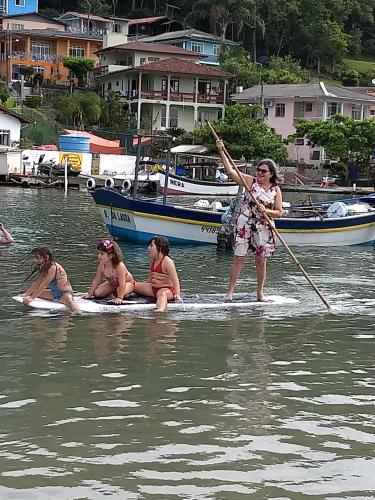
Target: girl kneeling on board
<point>111,266</point>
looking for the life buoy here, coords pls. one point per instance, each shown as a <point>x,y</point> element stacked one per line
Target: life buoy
<point>126,185</point>
<point>109,183</point>
<point>91,184</point>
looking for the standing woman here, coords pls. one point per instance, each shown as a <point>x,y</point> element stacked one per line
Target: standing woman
<point>253,231</point>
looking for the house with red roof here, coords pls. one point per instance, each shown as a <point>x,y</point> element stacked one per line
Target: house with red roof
<point>164,85</point>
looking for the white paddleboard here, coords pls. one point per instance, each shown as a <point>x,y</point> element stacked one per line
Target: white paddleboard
<point>192,302</point>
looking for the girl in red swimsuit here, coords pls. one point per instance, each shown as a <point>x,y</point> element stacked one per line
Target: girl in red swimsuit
<point>162,282</point>
<point>111,267</point>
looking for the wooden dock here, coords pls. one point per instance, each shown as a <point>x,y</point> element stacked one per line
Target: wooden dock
<point>39,181</point>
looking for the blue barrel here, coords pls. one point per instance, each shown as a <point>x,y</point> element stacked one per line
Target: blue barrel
<point>74,143</point>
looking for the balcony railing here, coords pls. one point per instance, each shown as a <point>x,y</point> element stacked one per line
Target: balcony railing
<point>19,55</point>
<point>162,95</point>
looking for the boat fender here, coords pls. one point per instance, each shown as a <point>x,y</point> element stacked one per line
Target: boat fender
<point>109,183</point>
<point>216,205</point>
<point>337,209</point>
<point>126,185</point>
<point>202,204</point>
<point>90,184</point>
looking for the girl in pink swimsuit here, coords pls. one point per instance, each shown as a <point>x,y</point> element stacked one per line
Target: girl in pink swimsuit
<point>162,282</point>
<point>111,266</point>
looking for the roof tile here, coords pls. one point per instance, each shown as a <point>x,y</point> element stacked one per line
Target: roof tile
<point>175,65</point>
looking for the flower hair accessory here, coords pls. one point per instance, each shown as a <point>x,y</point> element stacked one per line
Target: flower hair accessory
<point>107,244</point>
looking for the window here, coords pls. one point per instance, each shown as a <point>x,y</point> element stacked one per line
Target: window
<point>40,52</point>
<point>280,110</point>
<point>117,28</point>
<point>216,50</point>
<point>142,60</point>
<point>307,107</point>
<point>173,117</point>
<point>4,137</point>
<point>152,59</point>
<point>197,47</point>
<point>333,108</point>
<point>76,51</point>
<point>265,111</point>
<point>117,83</point>
<point>19,3</point>
<point>175,85</point>
<point>315,155</point>
<point>178,44</point>
<point>109,86</point>
<point>357,112</point>
<point>38,69</point>
<point>18,26</point>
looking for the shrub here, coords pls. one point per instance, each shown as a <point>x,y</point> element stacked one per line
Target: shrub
<point>33,101</point>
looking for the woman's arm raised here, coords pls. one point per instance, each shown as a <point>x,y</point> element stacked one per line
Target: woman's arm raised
<point>229,169</point>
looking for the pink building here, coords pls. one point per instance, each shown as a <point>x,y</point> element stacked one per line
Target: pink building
<point>285,104</point>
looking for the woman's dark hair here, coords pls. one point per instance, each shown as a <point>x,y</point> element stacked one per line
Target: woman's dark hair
<point>274,179</point>
<point>161,243</point>
<point>42,269</point>
<point>111,248</point>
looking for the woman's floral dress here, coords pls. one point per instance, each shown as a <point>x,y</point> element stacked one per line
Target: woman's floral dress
<point>253,232</point>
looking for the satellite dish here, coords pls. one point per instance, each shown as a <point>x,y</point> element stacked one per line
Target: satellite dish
<point>373,81</point>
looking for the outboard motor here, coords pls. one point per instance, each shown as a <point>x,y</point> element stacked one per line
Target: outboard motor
<point>226,235</point>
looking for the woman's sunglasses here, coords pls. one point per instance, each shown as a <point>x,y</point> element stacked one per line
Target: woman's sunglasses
<point>262,171</point>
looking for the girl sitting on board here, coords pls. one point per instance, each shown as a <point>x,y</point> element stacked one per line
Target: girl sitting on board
<point>51,281</point>
<point>162,282</point>
<point>111,266</point>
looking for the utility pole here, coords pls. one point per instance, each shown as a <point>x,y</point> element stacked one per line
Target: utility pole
<point>261,89</point>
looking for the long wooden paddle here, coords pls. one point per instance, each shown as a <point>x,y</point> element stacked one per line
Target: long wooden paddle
<point>270,221</point>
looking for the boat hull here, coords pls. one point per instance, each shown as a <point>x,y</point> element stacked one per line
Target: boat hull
<point>178,185</point>
<point>138,220</point>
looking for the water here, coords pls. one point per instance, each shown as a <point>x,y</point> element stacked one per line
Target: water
<point>265,403</point>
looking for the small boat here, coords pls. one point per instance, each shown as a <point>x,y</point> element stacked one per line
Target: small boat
<point>179,185</point>
<point>330,224</point>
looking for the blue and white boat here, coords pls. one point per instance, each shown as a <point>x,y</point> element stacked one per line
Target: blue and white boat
<point>133,219</point>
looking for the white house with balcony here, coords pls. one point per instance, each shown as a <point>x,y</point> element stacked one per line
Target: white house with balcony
<point>283,105</point>
<point>165,85</point>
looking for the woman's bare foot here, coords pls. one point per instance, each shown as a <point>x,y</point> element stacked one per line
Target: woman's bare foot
<point>260,297</point>
<point>228,297</point>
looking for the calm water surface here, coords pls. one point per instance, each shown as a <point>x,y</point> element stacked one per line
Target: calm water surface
<point>268,403</point>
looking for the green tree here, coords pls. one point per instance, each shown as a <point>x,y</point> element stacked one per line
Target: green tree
<point>97,7</point>
<point>115,113</point>
<point>243,136</point>
<point>278,70</point>
<point>4,92</point>
<point>221,13</point>
<point>79,66</point>
<point>341,136</point>
<point>27,72</point>
<point>80,109</point>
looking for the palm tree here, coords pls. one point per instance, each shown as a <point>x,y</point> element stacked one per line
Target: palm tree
<point>222,13</point>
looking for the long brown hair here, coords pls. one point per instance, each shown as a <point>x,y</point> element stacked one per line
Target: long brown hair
<point>42,268</point>
<point>112,249</point>
<point>161,243</point>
